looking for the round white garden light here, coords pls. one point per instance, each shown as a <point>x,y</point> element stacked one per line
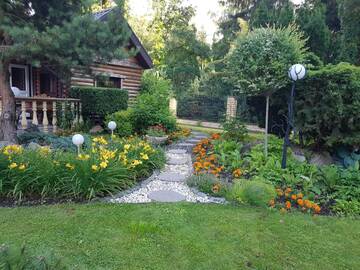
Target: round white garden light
<point>112,127</point>
<point>78,140</point>
<point>297,72</point>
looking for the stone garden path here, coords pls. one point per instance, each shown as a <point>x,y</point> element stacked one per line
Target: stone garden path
<point>170,185</point>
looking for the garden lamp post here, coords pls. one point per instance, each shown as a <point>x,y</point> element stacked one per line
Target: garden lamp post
<point>112,127</point>
<point>78,140</point>
<point>296,72</point>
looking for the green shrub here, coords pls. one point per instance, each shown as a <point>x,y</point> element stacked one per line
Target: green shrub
<point>347,208</point>
<point>124,122</point>
<point>152,108</point>
<point>256,193</point>
<point>11,258</point>
<point>234,129</point>
<point>208,184</point>
<point>327,106</point>
<point>98,102</point>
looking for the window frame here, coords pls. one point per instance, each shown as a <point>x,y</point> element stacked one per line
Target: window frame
<point>27,78</point>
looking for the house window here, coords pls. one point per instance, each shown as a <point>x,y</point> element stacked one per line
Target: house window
<point>109,82</point>
<point>19,77</point>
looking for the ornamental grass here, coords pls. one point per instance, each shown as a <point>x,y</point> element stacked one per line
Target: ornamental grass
<point>107,167</point>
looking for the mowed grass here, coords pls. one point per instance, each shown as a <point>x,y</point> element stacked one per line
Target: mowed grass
<point>183,236</point>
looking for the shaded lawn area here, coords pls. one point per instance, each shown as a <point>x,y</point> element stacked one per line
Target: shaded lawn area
<point>183,236</point>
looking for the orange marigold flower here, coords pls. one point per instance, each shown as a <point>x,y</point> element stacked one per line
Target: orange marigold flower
<point>300,202</point>
<point>307,204</point>
<point>293,197</point>
<point>300,195</point>
<point>317,209</point>
<point>288,190</point>
<point>288,205</point>
<point>215,136</point>
<point>237,173</point>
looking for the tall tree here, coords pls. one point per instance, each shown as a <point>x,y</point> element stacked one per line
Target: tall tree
<point>259,61</point>
<point>311,18</point>
<point>349,11</point>
<point>59,33</point>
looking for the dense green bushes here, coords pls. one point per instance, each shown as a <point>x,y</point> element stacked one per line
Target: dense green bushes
<point>151,108</point>
<point>98,102</point>
<point>328,106</point>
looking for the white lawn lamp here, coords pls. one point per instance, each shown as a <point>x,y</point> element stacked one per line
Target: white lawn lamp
<point>78,140</point>
<point>296,72</point>
<point>112,127</point>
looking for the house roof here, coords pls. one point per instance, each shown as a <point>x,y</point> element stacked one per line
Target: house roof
<point>142,56</point>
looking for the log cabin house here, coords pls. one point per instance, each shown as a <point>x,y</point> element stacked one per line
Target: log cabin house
<point>39,90</point>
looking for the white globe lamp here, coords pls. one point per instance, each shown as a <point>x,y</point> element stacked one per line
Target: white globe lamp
<point>78,140</point>
<point>297,72</point>
<point>112,127</point>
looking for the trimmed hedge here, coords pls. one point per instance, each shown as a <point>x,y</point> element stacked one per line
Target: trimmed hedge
<point>328,106</point>
<point>97,102</point>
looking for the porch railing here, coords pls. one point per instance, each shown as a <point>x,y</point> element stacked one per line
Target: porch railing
<point>43,111</point>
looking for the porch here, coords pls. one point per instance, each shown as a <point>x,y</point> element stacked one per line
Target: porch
<point>45,112</point>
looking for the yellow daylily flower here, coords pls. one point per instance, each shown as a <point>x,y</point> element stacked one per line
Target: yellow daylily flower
<point>103,165</point>
<point>13,165</point>
<point>95,168</point>
<point>22,167</point>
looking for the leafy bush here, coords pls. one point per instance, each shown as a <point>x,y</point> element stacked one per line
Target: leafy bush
<point>327,106</point>
<point>105,168</point>
<point>209,184</point>
<point>124,122</point>
<point>152,109</point>
<point>156,131</point>
<point>22,259</point>
<point>234,129</point>
<point>347,208</point>
<point>256,193</point>
<point>98,102</point>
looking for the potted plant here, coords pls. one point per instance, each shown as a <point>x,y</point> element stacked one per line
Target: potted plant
<point>156,134</point>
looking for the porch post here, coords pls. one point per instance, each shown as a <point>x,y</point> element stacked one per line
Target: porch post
<point>81,120</point>
<point>23,115</point>
<point>34,109</point>
<point>54,117</point>
<point>45,118</point>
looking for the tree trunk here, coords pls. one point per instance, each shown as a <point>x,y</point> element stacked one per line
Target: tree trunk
<point>266,125</point>
<point>8,116</point>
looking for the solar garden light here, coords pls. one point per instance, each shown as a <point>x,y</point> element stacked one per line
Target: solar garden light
<point>78,140</point>
<point>296,72</point>
<point>112,127</point>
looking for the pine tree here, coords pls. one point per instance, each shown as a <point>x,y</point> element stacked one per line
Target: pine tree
<point>61,33</point>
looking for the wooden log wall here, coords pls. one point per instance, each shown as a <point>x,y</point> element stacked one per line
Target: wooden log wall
<point>128,70</point>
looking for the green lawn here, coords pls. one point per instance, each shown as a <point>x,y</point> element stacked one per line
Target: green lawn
<point>183,236</point>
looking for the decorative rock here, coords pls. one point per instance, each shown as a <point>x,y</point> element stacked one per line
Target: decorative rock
<point>321,159</point>
<point>177,161</point>
<point>33,146</point>
<point>299,158</point>
<point>96,129</point>
<point>166,196</point>
<point>156,140</point>
<point>177,151</point>
<point>172,177</point>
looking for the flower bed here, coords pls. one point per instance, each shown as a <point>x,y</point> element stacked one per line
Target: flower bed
<point>106,167</point>
<point>300,187</point>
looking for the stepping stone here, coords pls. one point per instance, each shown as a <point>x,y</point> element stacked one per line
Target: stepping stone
<point>177,151</point>
<point>195,141</point>
<point>199,137</point>
<point>166,196</point>
<point>177,161</point>
<point>186,145</point>
<point>197,133</point>
<point>172,177</point>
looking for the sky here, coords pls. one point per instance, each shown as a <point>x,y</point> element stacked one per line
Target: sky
<point>206,13</point>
